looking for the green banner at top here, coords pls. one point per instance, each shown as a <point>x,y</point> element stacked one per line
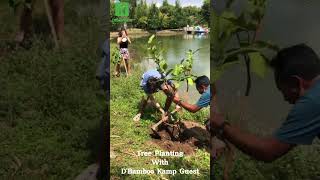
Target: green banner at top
<point>122,9</point>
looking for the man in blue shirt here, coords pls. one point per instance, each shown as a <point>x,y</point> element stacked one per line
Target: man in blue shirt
<point>297,76</point>
<point>203,87</point>
<point>151,83</point>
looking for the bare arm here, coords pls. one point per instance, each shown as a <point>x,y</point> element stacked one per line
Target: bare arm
<point>169,92</point>
<point>168,104</point>
<point>264,149</point>
<point>189,107</point>
<point>119,40</point>
<point>129,40</point>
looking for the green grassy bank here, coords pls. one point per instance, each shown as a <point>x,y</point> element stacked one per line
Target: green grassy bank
<point>128,137</point>
<point>50,101</point>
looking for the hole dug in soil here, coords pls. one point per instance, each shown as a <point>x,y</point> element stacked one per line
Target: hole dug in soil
<point>192,136</point>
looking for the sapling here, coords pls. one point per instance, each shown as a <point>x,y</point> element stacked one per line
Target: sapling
<point>181,72</point>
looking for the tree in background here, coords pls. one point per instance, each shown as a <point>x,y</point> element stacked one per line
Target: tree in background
<point>205,12</point>
<point>167,16</point>
<point>178,20</point>
<point>133,5</point>
<point>154,17</point>
<point>193,15</point>
<point>141,15</point>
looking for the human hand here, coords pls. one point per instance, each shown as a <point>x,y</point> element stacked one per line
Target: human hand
<point>165,117</point>
<point>178,108</point>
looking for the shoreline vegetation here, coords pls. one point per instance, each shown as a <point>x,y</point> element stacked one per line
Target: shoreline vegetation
<point>142,32</point>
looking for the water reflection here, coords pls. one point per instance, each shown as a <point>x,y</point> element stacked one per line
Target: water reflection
<point>196,36</point>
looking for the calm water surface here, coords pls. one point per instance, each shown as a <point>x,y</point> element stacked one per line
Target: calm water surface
<point>175,48</point>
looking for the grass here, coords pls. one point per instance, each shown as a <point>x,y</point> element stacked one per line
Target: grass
<point>50,107</point>
<point>128,137</point>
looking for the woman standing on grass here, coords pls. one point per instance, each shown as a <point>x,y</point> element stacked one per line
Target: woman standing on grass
<point>123,40</point>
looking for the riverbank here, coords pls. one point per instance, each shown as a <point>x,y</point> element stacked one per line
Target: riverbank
<point>140,32</point>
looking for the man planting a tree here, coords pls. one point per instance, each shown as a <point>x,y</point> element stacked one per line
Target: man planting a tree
<point>151,83</point>
<point>203,87</point>
<point>297,76</point>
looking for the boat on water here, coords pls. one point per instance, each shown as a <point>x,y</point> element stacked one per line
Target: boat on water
<point>196,30</point>
<point>199,29</point>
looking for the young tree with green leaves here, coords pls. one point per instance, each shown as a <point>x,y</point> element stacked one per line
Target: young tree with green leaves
<point>227,28</point>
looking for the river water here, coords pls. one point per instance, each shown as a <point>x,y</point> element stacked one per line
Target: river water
<point>175,48</point>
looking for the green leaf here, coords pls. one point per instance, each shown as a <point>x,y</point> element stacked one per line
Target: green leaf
<point>231,59</point>
<point>163,65</point>
<point>266,44</point>
<point>240,51</point>
<point>228,15</point>
<point>151,39</point>
<point>218,71</point>
<point>190,81</point>
<point>258,64</point>
<point>177,70</point>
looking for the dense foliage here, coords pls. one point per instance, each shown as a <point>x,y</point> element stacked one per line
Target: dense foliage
<point>115,57</point>
<point>167,16</point>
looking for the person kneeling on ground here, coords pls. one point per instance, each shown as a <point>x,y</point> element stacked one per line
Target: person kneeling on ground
<point>151,83</point>
<point>203,87</point>
<point>297,76</point>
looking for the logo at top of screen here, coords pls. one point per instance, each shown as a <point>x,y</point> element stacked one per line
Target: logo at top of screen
<point>121,8</point>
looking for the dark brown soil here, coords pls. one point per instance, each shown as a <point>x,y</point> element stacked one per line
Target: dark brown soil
<point>191,136</point>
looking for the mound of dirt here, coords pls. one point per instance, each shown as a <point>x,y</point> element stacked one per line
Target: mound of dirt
<point>187,139</point>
